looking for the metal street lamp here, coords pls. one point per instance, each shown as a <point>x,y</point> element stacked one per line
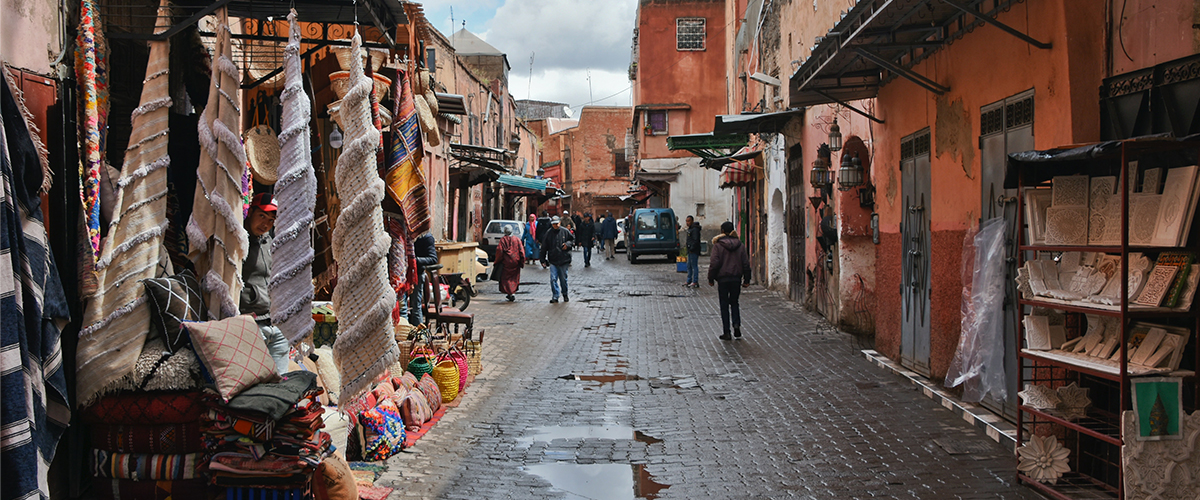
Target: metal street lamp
<point>820,176</point>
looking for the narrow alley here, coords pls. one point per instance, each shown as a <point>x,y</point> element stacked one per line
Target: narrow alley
<point>630,373</point>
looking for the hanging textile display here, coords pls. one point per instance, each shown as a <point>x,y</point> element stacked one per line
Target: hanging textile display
<point>116,320</point>
<point>33,309</point>
<point>402,263</point>
<point>363,298</point>
<point>91,64</point>
<point>217,240</point>
<point>405,180</point>
<point>296,194</point>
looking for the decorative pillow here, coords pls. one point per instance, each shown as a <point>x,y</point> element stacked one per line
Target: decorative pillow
<point>433,395</point>
<point>407,381</point>
<point>173,300</point>
<point>334,480</point>
<point>234,353</point>
<point>383,431</point>
<point>414,408</point>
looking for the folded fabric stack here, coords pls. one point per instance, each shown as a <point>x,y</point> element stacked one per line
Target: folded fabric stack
<point>268,437</point>
<point>147,445</point>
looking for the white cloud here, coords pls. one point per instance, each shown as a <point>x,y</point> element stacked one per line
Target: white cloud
<point>475,12</point>
<point>564,34</point>
<point>570,86</point>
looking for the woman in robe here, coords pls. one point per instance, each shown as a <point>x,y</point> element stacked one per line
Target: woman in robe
<point>532,250</point>
<point>510,256</point>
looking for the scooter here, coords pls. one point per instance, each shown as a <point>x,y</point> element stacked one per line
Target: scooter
<point>455,289</point>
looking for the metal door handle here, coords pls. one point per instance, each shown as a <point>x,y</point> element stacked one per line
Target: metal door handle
<point>915,209</point>
<point>1004,200</point>
<point>914,253</point>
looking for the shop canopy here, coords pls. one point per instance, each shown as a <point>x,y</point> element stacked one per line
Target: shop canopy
<point>1042,166</point>
<point>741,169</point>
<point>524,185</point>
<point>753,123</point>
<point>479,163</point>
<point>710,145</point>
<point>880,40</point>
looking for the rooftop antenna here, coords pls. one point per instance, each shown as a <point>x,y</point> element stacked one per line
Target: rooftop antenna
<point>529,88</point>
<point>591,98</point>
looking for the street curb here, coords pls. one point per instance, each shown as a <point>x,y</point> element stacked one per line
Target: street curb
<point>1000,430</point>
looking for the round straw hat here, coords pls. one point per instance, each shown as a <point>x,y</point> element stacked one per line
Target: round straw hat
<point>262,150</point>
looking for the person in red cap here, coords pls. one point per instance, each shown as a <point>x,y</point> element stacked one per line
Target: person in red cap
<point>256,272</point>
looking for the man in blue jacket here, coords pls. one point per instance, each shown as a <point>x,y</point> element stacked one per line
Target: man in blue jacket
<point>608,233</point>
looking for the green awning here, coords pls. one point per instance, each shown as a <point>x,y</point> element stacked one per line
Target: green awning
<point>528,183</point>
<point>708,145</point>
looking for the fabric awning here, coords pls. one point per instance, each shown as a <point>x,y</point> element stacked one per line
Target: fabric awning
<point>709,145</point>
<point>742,172</point>
<point>745,154</point>
<point>518,184</point>
<point>753,123</point>
<point>877,42</point>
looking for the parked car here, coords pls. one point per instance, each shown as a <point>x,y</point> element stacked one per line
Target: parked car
<point>483,265</point>
<point>655,231</point>
<point>495,230</point>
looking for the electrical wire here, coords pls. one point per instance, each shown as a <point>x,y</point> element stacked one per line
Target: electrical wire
<point>1120,30</point>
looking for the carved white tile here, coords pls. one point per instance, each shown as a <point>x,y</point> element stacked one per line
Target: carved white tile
<point>1161,470</point>
<point>1172,209</point>
<point>1133,176</point>
<point>1157,286</point>
<point>1073,401</point>
<point>1143,218</point>
<point>1102,191</point>
<point>1039,396</point>
<point>1043,459</point>
<point>1067,225</point>
<point>1070,190</point>
<point>1037,200</point>
<point>1037,333</point>
<point>1152,180</point>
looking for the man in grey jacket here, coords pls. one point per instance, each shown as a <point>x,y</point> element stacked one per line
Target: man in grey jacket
<point>256,271</point>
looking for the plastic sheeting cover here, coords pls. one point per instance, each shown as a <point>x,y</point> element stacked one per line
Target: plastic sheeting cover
<point>978,363</point>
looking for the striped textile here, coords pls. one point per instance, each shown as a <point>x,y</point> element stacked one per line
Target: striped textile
<point>218,241</point>
<point>33,407</point>
<point>291,284</point>
<point>363,298</point>
<point>144,467</point>
<point>405,179</point>
<point>116,319</point>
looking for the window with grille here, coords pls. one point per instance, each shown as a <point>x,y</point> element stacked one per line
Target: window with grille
<point>620,164</point>
<point>656,122</point>
<point>689,33</point>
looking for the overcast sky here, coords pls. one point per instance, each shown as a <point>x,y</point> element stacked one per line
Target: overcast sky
<point>568,40</point>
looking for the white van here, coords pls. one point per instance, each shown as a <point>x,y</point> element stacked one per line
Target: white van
<point>495,230</point>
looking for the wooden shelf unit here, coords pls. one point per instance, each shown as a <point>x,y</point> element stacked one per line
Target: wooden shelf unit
<point>1096,439</point>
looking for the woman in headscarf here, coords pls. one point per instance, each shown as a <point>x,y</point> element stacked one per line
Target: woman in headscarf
<point>510,256</point>
<point>532,250</point>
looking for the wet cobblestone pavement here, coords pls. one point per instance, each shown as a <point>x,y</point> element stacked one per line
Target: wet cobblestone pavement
<point>626,390</point>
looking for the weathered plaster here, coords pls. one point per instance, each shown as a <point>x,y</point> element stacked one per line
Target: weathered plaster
<point>29,34</point>
<point>954,134</point>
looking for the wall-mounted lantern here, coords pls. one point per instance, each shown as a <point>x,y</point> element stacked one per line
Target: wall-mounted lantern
<point>835,136</point>
<point>821,176</point>
<point>850,175</point>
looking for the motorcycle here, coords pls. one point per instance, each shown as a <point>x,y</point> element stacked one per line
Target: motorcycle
<point>456,290</point>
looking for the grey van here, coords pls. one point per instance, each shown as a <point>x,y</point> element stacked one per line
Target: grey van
<point>652,231</point>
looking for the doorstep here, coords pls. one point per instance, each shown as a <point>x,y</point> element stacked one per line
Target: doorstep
<point>1000,430</point>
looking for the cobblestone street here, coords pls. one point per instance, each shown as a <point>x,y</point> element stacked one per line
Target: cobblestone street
<point>664,408</point>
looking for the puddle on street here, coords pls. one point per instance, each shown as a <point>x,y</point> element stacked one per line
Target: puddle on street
<point>645,438</point>
<point>552,432</point>
<point>607,379</point>
<point>589,481</point>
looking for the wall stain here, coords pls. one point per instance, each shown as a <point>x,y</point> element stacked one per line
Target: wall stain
<point>891,187</point>
<point>953,135</point>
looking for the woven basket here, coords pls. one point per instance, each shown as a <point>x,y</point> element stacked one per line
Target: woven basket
<point>340,81</point>
<point>378,56</point>
<point>262,150</point>
<point>460,361</point>
<point>419,365</point>
<point>428,123</point>
<point>445,373</point>
<point>473,349</point>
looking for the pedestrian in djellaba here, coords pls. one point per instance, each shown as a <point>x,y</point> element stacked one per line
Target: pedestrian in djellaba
<point>729,265</point>
<point>530,239</point>
<point>510,257</point>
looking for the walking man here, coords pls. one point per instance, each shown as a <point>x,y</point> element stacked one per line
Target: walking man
<point>608,233</point>
<point>729,265</point>
<point>556,254</point>
<point>585,234</point>
<point>693,253</point>
<point>510,257</point>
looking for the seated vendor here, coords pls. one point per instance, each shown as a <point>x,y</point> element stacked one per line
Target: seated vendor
<point>256,272</point>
